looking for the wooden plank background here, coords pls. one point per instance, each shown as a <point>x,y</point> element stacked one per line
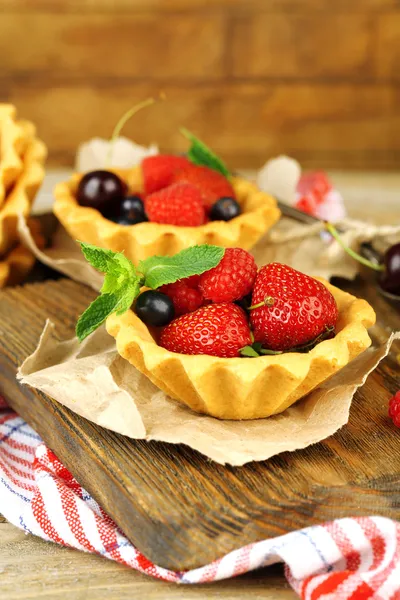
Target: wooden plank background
<point>313,78</point>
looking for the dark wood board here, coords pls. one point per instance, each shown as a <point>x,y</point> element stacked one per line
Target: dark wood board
<point>180,509</point>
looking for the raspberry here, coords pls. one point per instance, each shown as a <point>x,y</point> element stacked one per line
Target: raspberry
<point>185,297</point>
<point>394,409</point>
<point>158,171</point>
<point>212,184</point>
<point>232,279</point>
<point>217,330</point>
<point>179,204</point>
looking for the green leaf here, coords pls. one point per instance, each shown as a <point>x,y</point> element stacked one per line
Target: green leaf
<point>127,296</point>
<point>256,350</point>
<point>120,287</point>
<point>200,154</point>
<point>96,314</point>
<point>160,270</point>
<point>99,258</point>
<point>249,352</point>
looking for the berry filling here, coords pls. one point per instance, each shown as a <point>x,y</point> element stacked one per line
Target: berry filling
<point>186,191</point>
<point>210,300</point>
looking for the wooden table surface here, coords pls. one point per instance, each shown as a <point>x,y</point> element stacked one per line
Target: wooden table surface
<point>31,568</point>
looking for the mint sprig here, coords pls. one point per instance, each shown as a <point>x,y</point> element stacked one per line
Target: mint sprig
<point>160,270</point>
<point>122,281</point>
<point>200,154</point>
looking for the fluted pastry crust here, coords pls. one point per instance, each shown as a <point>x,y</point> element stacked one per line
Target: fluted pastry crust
<point>238,388</point>
<point>140,241</point>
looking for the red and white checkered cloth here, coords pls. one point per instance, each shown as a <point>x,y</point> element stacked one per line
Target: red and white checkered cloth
<point>347,559</point>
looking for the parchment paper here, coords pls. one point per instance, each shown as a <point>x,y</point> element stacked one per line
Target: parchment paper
<point>95,382</point>
<point>303,247</point>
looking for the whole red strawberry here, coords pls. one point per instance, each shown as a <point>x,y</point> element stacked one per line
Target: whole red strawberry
<point>232,279</point>
<point>184,294</point>
<point>158,171</point>
<point>394,409</point>
<point>212,184</point>
<point>217,329</point>
<point>295,310</point>
<point>179,204</point>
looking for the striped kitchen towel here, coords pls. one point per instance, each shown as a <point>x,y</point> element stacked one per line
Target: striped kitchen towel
<point>346,559</point>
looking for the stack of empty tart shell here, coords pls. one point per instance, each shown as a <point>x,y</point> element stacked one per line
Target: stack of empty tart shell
<point>22,158</point>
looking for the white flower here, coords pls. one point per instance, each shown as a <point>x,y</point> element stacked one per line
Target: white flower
<point>279,177</point>
<point>98,154</point>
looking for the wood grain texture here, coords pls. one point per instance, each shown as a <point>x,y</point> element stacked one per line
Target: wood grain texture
<point>166,6</point>
<point>180,509</point>
<point>308,43</point>
<point>313,78</point>
<point>33,569</point>
<point>327,121</point>
<point>94,46</point>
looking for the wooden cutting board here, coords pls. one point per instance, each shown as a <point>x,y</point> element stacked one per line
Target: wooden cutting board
<point>180,509</point>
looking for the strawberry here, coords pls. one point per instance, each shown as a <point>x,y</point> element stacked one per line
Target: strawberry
<point>217,329</point>
<point>232,279</point>
<point>294,308</point>
<point>158,170</point>
<point>213,185</point>
<point>179,204</point>
<point>394,409</point>
<point>184,294</point>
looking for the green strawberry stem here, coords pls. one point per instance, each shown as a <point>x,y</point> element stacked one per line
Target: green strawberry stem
<point>268,301</point>
<point>364,261</point>
<point>257,349</point>
<point>123,120</point>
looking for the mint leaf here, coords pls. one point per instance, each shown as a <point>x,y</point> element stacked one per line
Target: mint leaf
<point>96,314</point>
<point>160,270</point>
<point>200,154</point>
<point>120,287</point>
<point>99,258</point>
<point>127,296</point>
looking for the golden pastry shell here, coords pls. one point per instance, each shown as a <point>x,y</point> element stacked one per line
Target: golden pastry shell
<point>17,264</point>
<point>21,195</point>
<point>238,388</point>
<point>140,241</point>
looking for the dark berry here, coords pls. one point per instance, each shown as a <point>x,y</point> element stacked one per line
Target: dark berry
<point>154,308</point>
<point>225,209</point>
<point>102,190</point>
<point>390,280</point>
<point>131,211</point>
<point>245,302</point>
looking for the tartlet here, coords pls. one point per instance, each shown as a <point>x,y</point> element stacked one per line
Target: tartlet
<point>16,264</point>
<point>20,198</point>
<point>22,158</point>
<point>239,388</point>
<point>143,240</point>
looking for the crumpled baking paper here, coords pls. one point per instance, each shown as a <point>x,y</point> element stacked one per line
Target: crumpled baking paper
<point>303,247</point>
<point>308,248</point>
<point>94,381</point>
